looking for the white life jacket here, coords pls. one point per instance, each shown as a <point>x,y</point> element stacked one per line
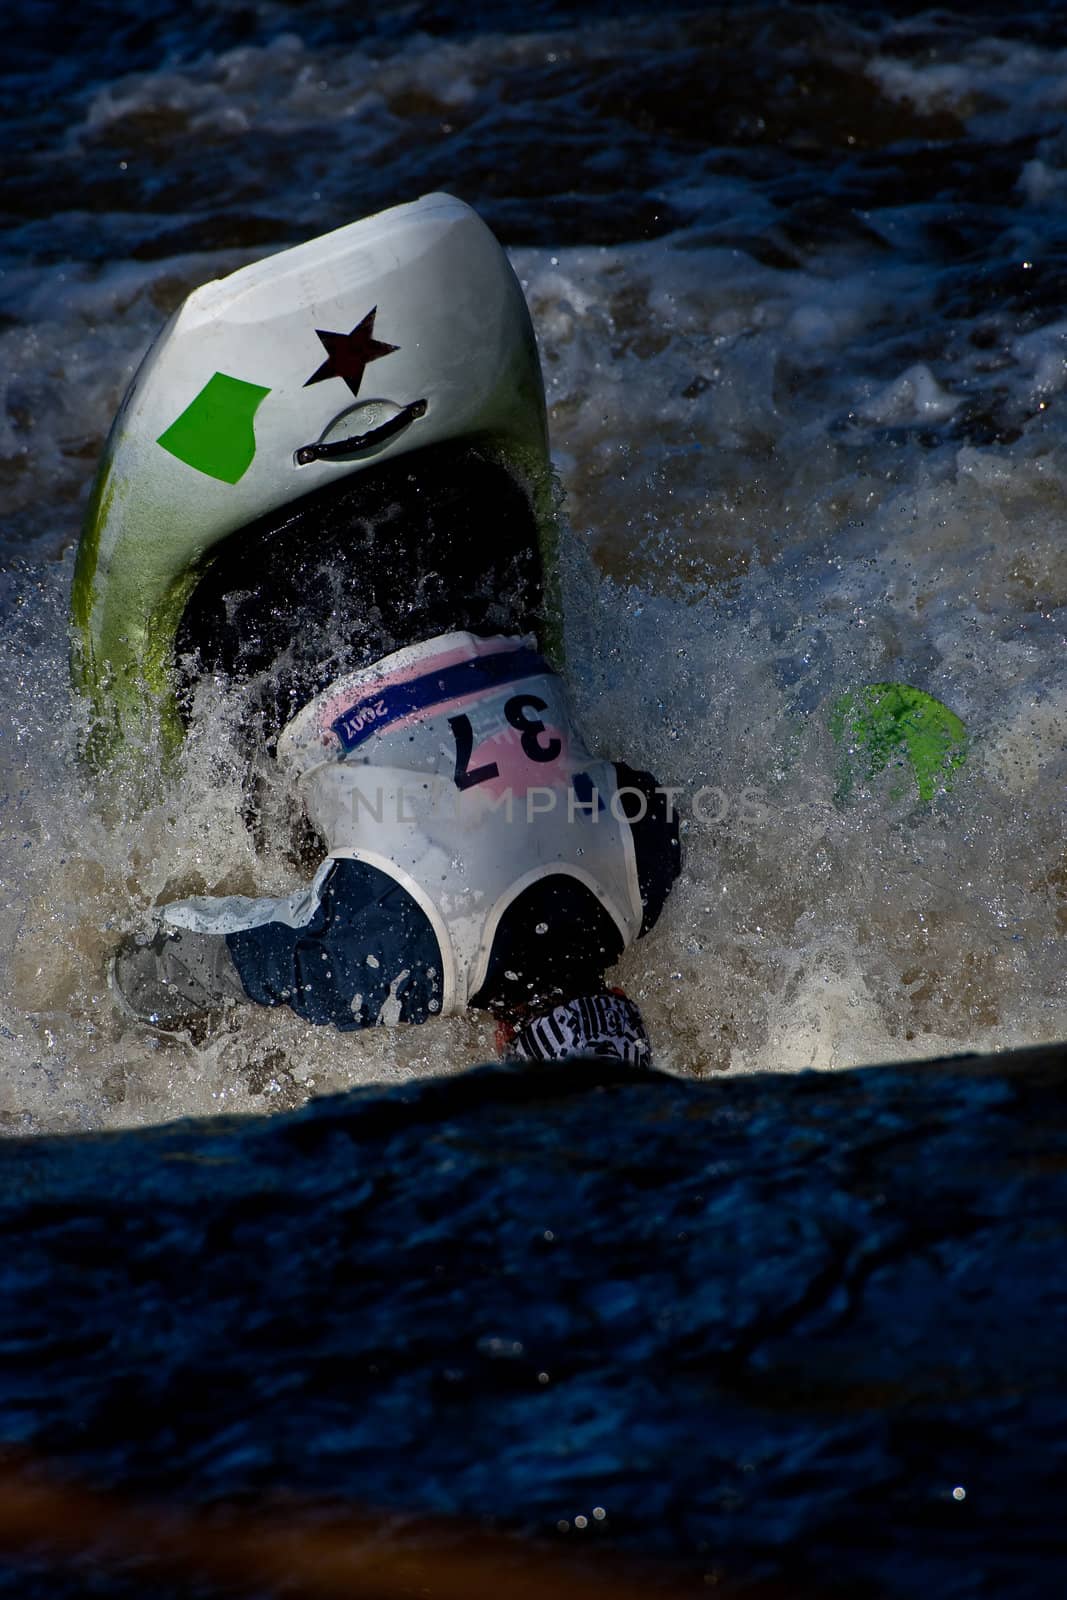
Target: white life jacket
<point>454,767</point>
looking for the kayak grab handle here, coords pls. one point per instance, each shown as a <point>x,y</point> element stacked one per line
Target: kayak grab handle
<point>345,449</point>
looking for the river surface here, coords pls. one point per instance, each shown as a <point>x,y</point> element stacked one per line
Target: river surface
<point>799,278</point>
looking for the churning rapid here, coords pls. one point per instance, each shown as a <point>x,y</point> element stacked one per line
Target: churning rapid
<point>799,277</point>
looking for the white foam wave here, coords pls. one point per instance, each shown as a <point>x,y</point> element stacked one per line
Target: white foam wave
<point>772,499</point>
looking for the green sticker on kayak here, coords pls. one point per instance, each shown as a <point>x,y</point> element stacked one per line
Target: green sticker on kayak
<point>214,434</point>
<point>885,723</point>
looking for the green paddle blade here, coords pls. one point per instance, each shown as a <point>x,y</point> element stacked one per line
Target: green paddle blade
<point>892,722</point>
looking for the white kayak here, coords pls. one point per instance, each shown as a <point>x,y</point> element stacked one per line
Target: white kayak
<point>401,331</point>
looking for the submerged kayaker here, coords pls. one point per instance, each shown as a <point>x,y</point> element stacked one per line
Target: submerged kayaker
<point>476,853</point>
<point>384,630</point>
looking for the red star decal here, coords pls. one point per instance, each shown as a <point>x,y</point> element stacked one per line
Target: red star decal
<point>349,354</point>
